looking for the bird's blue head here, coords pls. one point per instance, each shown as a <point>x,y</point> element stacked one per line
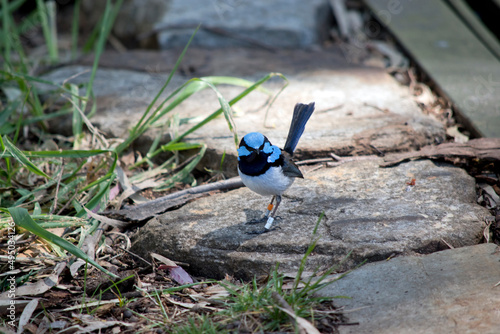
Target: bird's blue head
<point>256,153</point>
<point>253,143</point>
<point>253,140</point>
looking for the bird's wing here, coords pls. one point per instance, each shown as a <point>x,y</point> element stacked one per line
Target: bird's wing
<point>290,169</point>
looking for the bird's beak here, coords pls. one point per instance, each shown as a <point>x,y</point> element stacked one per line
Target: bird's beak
<point>253,155</point>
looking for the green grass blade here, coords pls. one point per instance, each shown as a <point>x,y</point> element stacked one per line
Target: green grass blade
<point>10,40</point>
<point>77,121</point>
<point>7,159</point>
<point>93,109</point>
<point>180,147</point>
<point>170,76</point>
<point>22,219</point>
<point>13,5</point>
<point>226,109</point>
<point>28,78</point>
<point>146,119</point>
<point>308,252</point>
<point>231,103</point>
<point>234,81</point>
<point>181,175</point>
<point>44,117</point>
<point>100,196</point>
<point>74,28</point>
<point>91,40</point>
<point>22,158</point>
<point>197,84</point>
<point>58,154</point>
<point>189,90</point>
<point>29,21</point>
<point>9,109</point>
<point>33,99</point>
<point>43,12</point>
<point>107,22</point>
<point>6,32</point>
<point>51,18</point>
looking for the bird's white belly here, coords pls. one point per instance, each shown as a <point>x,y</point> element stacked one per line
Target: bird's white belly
<point>272,182</point>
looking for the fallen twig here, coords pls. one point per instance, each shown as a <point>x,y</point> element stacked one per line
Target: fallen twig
<point>152,208</point>
<point>59,177</point>
<point>343,160</point>
<point>313,161</point>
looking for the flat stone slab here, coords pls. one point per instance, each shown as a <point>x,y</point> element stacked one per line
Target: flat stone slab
<point>359,110</point>
<point>368,211</point>
<point>245,23</point>
<point>451,291</point>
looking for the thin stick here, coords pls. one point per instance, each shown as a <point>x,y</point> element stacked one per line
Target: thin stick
<point>313,161</point>
<point>67,203</point>
<point>137,256</point>
<point>59,177</point>
<point>343,160</point>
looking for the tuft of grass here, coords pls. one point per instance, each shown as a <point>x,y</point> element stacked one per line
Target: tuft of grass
<point>22,219</point>
<point>47,14</point>
<point>259,308</point>
<point>255,307</point>
<point>49,182</point>
<point>78,173</point>
<point>199,324</point>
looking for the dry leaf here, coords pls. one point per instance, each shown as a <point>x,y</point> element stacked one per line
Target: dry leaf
<point>176,273</point>
<point>163,259</point>
<point>303,323</point>
<point>26,315</point>
<point>106,220</point>
<point>457,135</point>
<point>41,286</point>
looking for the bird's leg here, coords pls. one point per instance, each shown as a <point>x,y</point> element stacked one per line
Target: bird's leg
<point>266,215</point>
<point>270,220</point>
<point>269,208</point>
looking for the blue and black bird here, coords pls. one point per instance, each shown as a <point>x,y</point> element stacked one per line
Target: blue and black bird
<point>268,170</point>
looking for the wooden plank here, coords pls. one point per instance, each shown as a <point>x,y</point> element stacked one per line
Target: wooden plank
<point>486,36</point>
<point>464,70</point>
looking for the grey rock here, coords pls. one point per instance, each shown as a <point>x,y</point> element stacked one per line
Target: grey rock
<point>357,112</point>
<point>279,23</point>
<point>224,23</point>
<point>368,211</point>
<point>358,108</point>
<point>451,291</point>
<point>135,19</point>
<point>122,96</point>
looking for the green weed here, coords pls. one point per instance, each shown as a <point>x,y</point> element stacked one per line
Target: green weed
<point>79,173</point>
<point>258,307</point>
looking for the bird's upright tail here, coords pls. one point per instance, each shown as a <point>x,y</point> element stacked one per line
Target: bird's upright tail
<point>301,114</point>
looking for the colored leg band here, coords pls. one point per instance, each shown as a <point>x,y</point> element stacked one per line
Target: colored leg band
<point>269,223</point>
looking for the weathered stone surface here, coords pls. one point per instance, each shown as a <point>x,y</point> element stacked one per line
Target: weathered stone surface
<point>273,23</point>
<point>367,211</point>
<point>223,23</point>
<point>446,292</point>
<point>135,18</point>
<point>122,96</point>
<point>358,108</point>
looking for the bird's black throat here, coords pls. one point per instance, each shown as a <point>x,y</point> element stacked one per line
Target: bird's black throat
<point>257,165</point>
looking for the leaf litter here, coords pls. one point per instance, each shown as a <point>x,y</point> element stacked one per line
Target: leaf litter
<point>64,295</point>
<point>58,294</point>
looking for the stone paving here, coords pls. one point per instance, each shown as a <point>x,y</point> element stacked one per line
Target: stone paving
<point>360,110</point>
